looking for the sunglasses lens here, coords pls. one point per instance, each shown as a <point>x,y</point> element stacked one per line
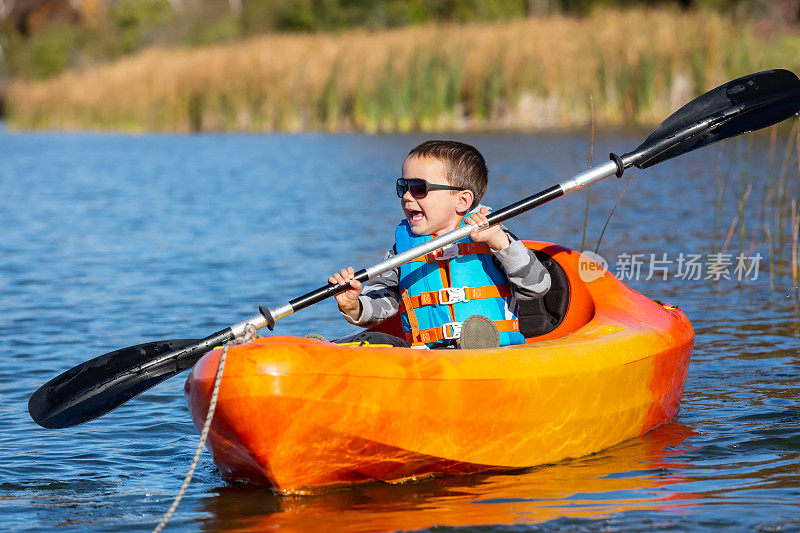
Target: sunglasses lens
<point>418,188</point>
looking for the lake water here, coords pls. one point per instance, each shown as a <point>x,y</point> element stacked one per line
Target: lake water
<point>109,240</point>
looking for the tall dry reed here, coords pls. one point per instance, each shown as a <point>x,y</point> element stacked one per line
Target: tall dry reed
<point>637,65</point>
<point>774,228</point>
<point>795,234</point>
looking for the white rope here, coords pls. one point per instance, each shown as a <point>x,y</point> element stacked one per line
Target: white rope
<point>249,334</point>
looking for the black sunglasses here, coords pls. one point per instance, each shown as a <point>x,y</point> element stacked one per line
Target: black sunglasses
<point>419,188</point>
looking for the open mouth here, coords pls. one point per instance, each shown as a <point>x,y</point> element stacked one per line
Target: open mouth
<point>415,216</point>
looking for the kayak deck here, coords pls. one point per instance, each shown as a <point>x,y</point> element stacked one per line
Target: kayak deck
<point>298,414</point>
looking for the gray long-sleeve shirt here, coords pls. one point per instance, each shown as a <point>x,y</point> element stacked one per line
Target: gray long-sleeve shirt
<point>529,279</point>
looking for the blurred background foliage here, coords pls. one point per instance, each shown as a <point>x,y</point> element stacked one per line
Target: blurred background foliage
<point>41,38</point>
<point>376,65</point>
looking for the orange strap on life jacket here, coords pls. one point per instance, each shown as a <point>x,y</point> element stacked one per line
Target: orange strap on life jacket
<point>408,308</point>
<point>452,330</point>
<point>449,296</point>
<point>464,248</point>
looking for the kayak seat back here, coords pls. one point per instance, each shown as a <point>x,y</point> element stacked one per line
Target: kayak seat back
<point>567,306</point>
<point>543,315</point>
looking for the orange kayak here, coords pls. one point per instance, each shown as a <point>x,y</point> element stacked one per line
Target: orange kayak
<point>299,414</point>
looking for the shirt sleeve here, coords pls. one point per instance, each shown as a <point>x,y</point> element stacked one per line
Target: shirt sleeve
<point>527,275</point>
<point>380,298</point>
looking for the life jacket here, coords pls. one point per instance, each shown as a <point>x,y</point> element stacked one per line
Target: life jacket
<point>442,289</point>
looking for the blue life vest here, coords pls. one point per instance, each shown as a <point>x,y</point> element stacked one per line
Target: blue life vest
<point>443,289</point>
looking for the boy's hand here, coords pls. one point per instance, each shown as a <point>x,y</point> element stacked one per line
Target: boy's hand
<point>348,300</point>
<point>494,236</point>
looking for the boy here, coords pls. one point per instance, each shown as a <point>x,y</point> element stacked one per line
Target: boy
<point>465,294</point>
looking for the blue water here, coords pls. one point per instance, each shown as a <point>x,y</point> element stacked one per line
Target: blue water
<point>109,241</point>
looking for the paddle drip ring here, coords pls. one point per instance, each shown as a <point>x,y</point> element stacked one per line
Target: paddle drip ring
<point>249,334</point>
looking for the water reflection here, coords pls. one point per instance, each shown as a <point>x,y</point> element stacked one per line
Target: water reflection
<point>636,475</point>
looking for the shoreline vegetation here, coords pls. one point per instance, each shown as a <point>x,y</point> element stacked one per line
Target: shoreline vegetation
<point>636,65</point>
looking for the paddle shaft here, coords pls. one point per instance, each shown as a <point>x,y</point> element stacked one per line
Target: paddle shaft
<point>269,316</point>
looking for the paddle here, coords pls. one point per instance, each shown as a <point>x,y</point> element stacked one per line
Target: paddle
<point>99,386</point>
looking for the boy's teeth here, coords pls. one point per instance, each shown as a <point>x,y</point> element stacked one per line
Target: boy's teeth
<point>417,215</point>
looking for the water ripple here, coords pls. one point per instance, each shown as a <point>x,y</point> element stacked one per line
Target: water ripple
<point>113,240</point>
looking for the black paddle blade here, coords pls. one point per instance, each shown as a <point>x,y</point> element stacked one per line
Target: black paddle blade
<point>100,385</point>
<point>745,104</point>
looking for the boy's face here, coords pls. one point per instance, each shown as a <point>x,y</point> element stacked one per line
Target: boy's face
<point>441,210</point>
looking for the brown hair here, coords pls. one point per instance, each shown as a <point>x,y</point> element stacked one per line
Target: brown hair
<point>464,165</point>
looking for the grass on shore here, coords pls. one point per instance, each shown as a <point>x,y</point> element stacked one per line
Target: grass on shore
<point>535,73</point>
